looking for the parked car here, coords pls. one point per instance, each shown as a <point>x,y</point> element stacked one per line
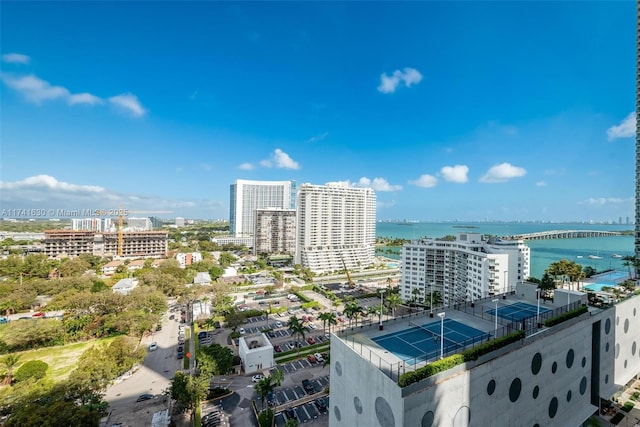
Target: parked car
<point>308,387</point>
<point>38,314</point>
<point>321,404</point>
<point>277,348</point>
<point>144,397</point>
<point>271,334</point>
<point>153,346</point>
<point>257,377</point>
<point>311,358</point>
<point>290,414</point>
<point>311,341</point>
<point>319,357</point>
<point>278,324</point>
<point>242,331</point>
<point>173,316</point>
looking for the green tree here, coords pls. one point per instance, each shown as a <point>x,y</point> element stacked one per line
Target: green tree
<point>352,310</point>
<point>629,261</point>
<point>9,362</point>
<point>296,328</point>
<point>263,388</point>
<point>188,390</point>
<point>328,318</point>
<point>393,301</point>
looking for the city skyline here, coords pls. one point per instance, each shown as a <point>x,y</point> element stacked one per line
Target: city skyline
<point>462,111</point>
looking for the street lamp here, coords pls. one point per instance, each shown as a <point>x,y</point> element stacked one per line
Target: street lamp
<point>538,312</point>
<point>441,316</point>
<point>381,305</point>
<point>495,315</point>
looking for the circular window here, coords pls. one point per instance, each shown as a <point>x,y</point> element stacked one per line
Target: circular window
<point>626,325</point>
<point>536,363</point>
<point>607,326</point>
<point>427,419</point>
<point>569,396</point>
<point>462,417</point>
<point>491,387</point>
<point>338,368</point>
<point>584,362</point>
<point>606,347</point>
<point>633,348</point>
<point>606,379</point>
<point>617,320</point>
<point>514,389</point>
<point>357,404</point>
<point>384,413</point>
<point>536,425</point>
<point>583,385</point>
<point>570,356</point>
<point>336,412</point>
<point>553,407</point>
<point>617,350</point>
<point>634,312</point>
<point>625,364</point>
<point>536,391</point>
<point>554,367</point>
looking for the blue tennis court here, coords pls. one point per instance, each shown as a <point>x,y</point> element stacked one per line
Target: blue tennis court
<point>517,311</point>
<point>422,342</point>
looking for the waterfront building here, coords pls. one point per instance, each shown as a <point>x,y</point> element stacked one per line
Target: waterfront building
<point>247,196</point>
<point>335,227</point>
<point>275,232</point>
<point>465,269</point>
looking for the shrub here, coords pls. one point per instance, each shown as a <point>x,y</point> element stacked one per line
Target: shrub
<point>310,304</point>
<point>617,418</point>
<point>475,352</point>
<point>628,406</point>
<point>566,316</point>
<point>35,369</point>
<point>635,395</point>
<point>302,297</point>
<point>265,418</point>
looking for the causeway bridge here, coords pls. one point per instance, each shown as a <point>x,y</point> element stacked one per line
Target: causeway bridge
<point>562,234</point>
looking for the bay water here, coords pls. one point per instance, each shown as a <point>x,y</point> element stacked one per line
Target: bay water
<point>543,252</point>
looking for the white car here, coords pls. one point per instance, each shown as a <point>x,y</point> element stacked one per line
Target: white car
<point>278,324</point>
<point>153,346</point>
<point>257,378</point>
<point>319,357</point>
<point>312,325</point>
<point>242,331</point>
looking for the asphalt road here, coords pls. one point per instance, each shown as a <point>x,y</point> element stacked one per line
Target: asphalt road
<point>152,377</point>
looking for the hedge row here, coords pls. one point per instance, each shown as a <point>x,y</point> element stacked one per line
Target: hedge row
<point>310,304</point>
<point>456,359</point>
<point>566,316</point>
<point>302,297</point>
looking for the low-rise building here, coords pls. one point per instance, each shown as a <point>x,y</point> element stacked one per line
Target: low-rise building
<point>256,353</point>
<point>109,269</point>
<point>125,286</point>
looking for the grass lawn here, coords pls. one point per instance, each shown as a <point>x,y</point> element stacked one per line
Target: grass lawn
<point>61,359</point>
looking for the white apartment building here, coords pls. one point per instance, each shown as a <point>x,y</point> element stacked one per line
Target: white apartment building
<point>275,232</point>
<point>188,258</point>
<point>87,224</point>
<point>465,269</point>
<point>139,224</point>
<point>247,196</point>
<point>336,224</point>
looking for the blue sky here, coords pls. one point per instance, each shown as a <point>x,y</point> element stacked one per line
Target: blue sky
<point>458,110</point>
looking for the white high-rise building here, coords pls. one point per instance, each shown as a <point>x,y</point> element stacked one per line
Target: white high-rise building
<point>86,224</point>
<point>139,224</point>
<point>465,269</point>
<point>247,196</point>
<point>336,225</point>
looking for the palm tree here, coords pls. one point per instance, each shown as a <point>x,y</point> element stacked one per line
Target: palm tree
<point>329,318</point>
<point>628,261</point>
<point>352,310</point>
<point>263,388</point>
<point>296,328</point>
<point>9,361</point>
<point>203,300</point>
<point>394,301</point>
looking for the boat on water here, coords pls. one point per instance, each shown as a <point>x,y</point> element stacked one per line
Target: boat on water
<point>578,256</point>
<point>594,257</point>
<point>616,256</point>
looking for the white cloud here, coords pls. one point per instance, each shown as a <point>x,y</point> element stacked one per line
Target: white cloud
<point>626,128</point>
<point>129,103</point>
<point>601,201</point>
<point>408,76</point>
<point>318,138</point>
<point>457,173</point>
<point>425,181</point>
<point>281,160</point>
<point>35,89</point>
<point>16,58</point>
<point>246,166</point>
<point>46,192</point>
<point>541,184</point>
<point>378,184</point>
<point>50,183</point>
<point>84,98</point>
<point>502,173</point>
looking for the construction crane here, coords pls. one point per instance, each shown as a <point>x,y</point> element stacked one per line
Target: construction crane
<point>120,231</point>
<point>346,272</point>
